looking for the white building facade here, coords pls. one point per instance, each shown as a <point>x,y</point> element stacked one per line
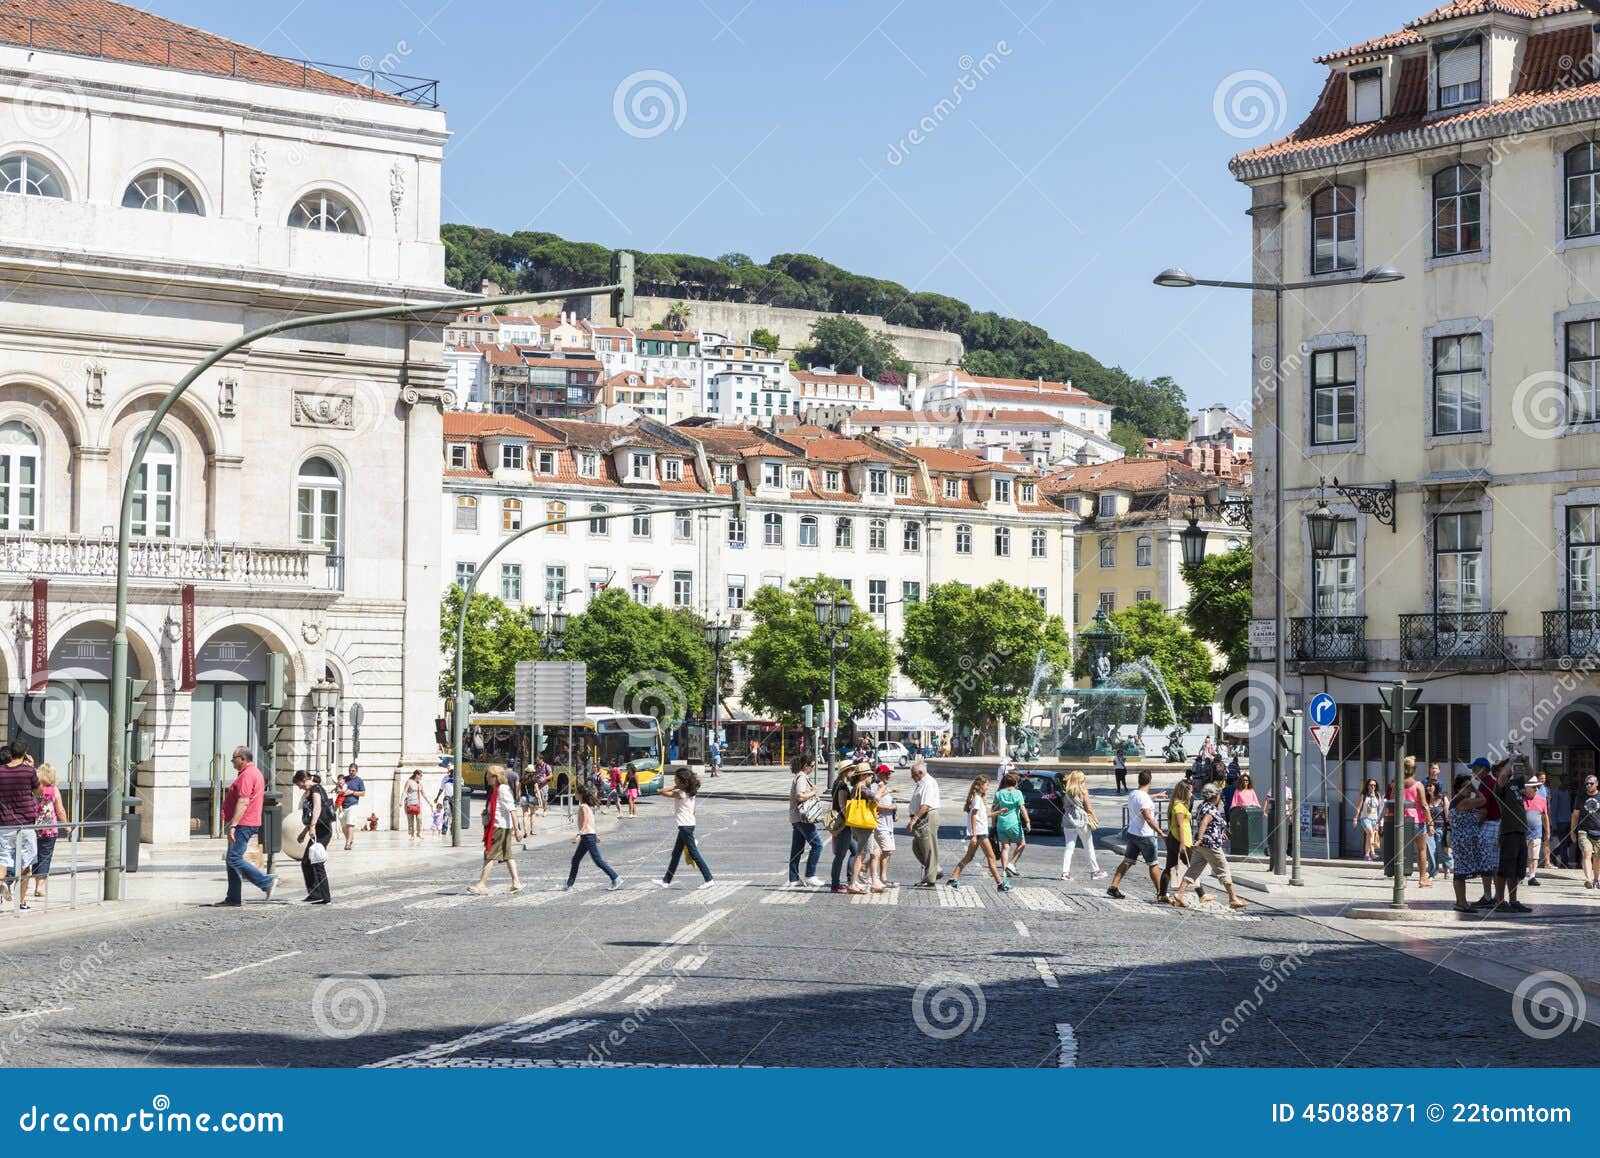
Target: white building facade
<point>151,215</point>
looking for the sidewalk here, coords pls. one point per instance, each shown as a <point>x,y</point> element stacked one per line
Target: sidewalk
<point>173,877</point>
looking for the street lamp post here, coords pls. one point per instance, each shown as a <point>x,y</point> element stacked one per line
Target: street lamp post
<point>718,635</point>
<point>833,617</point>
<point>1181,279</point>
<point>621,292</point>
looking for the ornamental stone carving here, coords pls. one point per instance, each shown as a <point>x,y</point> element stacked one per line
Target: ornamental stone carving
<point>258,173</point>
<point>397,191</point>
<point>327,411</point>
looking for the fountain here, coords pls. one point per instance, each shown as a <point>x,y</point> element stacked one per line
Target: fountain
<point>1084,722</point>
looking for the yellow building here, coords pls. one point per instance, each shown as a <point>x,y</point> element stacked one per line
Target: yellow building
<point>1461,150</point>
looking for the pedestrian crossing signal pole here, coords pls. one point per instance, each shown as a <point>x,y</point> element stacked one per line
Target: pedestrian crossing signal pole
<point>1399,712</point>
<point>1292,734</point>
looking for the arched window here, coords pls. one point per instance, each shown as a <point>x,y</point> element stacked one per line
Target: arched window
<point>1457,211</point>
<point>963,538</point>
<point>911,538</point>
<point>598,526</point>
<point>808,530</point>
<point>319,510</point>
<point>553,511</point>
<point>155,490</point>
<point>510,515</point>
<point>1583,190</point>
<point>1333,229</point>
<point>19,477</point>
<point>844,533</point>
<point>1143,551</point>
<point>878,535</point>
<point>161,191</point>
<point>1002,542</point>
<point>325,212</point>
<point>26,174</point>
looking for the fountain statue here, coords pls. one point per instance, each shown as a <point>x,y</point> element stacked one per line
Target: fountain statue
<point>1091,721</point>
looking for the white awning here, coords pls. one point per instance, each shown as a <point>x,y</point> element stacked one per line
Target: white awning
<point>905,716</point>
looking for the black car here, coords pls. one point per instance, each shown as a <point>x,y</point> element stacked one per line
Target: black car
<point>1041,796</point>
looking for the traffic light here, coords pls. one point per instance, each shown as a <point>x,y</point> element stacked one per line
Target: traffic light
<point>1290,733</point>
<point>807,717</point>
<point>133,702</point>
<point>1400,707</point>
<point>622,297</point>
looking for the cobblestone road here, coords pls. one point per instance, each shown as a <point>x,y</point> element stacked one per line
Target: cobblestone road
<point>414,972</point>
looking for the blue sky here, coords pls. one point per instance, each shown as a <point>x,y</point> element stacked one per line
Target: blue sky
<point>1084,155</point>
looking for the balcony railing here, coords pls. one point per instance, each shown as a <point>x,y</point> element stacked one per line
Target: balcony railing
<point>207,562</point>
<point>1456,635</point>
<point>1328,637</point>
<point>1571,633</point>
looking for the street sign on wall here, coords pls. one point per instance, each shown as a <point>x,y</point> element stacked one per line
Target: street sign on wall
<point>1261,635</point>
<point>550,692</point>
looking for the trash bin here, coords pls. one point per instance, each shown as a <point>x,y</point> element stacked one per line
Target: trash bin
<point>1387,832</point>
<point>130,833</point>
<point>1247,832</point>
<point>271,834</point>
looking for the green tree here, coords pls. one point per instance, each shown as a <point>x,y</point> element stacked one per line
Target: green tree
<point>844,344</point>
<point>677,316</point>
<point>1185,664</point>
<point>650,660</point>
<point>787,662</point>
<point>764,338</point>
<point>497,637</point>
<point>1219,605</point>
<point>974,652</point>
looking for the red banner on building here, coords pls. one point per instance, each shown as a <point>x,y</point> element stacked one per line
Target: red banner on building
<point>40,669</point>
<point>187,684</point>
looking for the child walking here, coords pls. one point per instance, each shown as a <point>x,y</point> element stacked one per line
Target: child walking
<point>977,809</point>
<point>685,787</point>
<point>588,843</point>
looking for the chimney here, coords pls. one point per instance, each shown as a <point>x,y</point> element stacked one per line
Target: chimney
<point>859,374</point>
<point>1039,386</point>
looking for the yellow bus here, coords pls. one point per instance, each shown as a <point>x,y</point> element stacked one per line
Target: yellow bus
<point>603,739</point>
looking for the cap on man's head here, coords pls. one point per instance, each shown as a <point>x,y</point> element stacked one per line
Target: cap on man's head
<point>1480,762</point>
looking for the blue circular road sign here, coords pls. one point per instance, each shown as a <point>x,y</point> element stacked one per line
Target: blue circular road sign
<point>1322,710</point>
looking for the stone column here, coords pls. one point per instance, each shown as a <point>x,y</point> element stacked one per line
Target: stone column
<point>425,399</point>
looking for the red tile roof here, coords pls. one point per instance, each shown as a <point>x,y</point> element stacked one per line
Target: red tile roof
<point>469,424</point>
<point>1129,474</point>
<point>938,458</point>
<point>830,379</point>
<point>110,31</point>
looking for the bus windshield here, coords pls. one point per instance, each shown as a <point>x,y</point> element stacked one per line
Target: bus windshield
<point>629,742</point>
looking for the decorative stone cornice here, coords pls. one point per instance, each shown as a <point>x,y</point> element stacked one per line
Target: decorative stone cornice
<point>443,398</point>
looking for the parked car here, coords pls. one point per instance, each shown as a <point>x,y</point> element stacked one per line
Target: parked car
<point>1042,798</point>
<point>893,753</point>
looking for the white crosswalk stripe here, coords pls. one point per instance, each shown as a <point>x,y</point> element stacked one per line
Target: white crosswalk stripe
<point>556,1032</point>
<point>623,896</point>
<point>718,892</point>
<point>959,899</point>
<point>1041,900</point>
<point>1045,973</point>
<point>891,898</point>
<point>384,898</point>
<point>528,897</point>
<point>453,900</point>
<point>790,897</point>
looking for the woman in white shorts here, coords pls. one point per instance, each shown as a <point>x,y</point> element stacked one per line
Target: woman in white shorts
<point>883,837</point>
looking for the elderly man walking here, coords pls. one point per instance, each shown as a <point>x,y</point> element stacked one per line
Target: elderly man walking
<point>924,825</point>
<point>242,805</point>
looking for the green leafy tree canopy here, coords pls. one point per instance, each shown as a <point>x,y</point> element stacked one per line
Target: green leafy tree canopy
<point>844,344</point>
<point>1219,605</point>
<point>1150,630</point>
<point>497,637</point>
<point>764,338</point>
<point>644,660</point>
<point>787,661</point>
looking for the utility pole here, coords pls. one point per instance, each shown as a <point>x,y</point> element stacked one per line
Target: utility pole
<point>1292,734</point>
<point>1399,713</point>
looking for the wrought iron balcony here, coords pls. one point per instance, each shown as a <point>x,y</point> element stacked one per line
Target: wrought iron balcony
<point>1328,637</point>
<point>1455,635</point>
<point>206,562</point>
<point>1571,633</point>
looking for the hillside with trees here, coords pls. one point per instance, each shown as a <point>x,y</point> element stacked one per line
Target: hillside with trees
<point>996,345</point>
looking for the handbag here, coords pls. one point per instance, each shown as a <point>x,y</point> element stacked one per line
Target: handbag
<point>859,812</point>
<point>316,853</point>
<point>815,810</point>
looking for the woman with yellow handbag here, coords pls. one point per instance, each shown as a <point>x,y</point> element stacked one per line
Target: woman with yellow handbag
<point>847,837</point>
<point>861,815</point>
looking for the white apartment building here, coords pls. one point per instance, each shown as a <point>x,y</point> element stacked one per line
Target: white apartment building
<point>888,522</point>
<point>1457,408</point>
<point>149,216</point>
<point>745,383</point>
<point>1040,439</point>
<point>953,390</point>
<point>823,389</point>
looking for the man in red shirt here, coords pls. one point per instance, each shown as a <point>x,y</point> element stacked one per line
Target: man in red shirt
<point>242,805</point>
<point>18,809</point>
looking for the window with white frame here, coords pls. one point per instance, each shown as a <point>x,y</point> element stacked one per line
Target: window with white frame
<point>1108,602</point>
<point>911,537</point>
<point>546,460</point>
<point>1458,70</point>
<point>877,596</point>
<point>1335,574</point>
<point>19,477</point>
<point>319,505</point>
<point>1583,373</point>
<point>1457,211</point>
<point>808,531</point>
<point>641,524</point>
<point>878,535</point>
<point>1582,170</point>
<point>1042,594</point>
<point>555,513</point>
<point>324,212</point>
<point>877,482</point>
<point>1025,492</point>
<point>155,489</point>
<point>458,456</point>
<point>466,513</point>
<point>510,515</point>
<point>1002,542</point>
<point>772,529</point>
<point>682,589</point>
<point>1583,559</point>
<point>1333,229</point>
<point>725,473</point>
<point>772,474</point>
<point>1144,595</point>
<point>640,586</point>
<point>641,467</point>
<point>588,464</point>
<point>832,480</point>
<point>672,470</point>
<point>1108,551</point>
<point>598,580</point>
<point>963,538</point>
<point>555,584</point>
<point>511,456</point>
<point>1458,384</point>
<point>27,175</point>
<point>1039,543</point>
<point>464,573</point>
<point>844,533</point>
<point>1144,551</point>
<point>598,527</point>
<point>902,484</point>
<point>1458,563</point>
<point>735,592</point>
<point>511,582</point>
<point>1107,507</point>
<point>1333,396</point>
<point>797,480</point>
<point>683,526</point>
<point>1002,490</point>
<point>910,591</point>
<point>1367,90</point>
<point>735,532</point>
<point>952,488</point>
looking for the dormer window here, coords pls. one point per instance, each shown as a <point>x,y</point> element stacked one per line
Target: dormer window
<point>672,470</point>
<point>877,482</point>
<point>725,473</point>
<point>952,488</point>
<point>832,480</point>
<point>1002,490</point>
<point>547,462</point>
<point>772,475</point>
<point>797,480</point>
<point>1458,68</point>
<point>1026,492</point>
<point>589,465</point>
<point>512,456</point>
<point>458,456</point>
<point>1366,92</point>
<point>1108,507</point>
<point>902,484</point>
<point>641,469</point>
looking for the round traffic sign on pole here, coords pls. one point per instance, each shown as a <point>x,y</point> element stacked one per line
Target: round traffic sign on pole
<point>1322,710</point>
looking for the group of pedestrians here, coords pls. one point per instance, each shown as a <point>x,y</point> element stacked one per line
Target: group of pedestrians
<point>1197,840</point>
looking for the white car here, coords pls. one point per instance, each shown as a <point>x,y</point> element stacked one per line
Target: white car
<point>893,753</point>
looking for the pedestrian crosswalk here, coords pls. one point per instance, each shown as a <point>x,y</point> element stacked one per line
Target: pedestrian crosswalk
<point>1041,901</point>
<point>958,899</point>
<point>717,893</point>
<point>790,896</point>
<point>890,898</point>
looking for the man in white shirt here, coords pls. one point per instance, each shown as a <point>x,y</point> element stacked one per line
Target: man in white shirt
<point>924,825</point>
<point>1140,837</point>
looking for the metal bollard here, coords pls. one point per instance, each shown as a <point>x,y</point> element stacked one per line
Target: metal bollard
<point>130,833</point>
<point>271,835</point>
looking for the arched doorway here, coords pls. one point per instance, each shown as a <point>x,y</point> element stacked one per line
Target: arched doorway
<point>68,723</point>
<point>224,712</point>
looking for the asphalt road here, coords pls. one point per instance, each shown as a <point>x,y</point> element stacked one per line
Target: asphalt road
<point>414,972</point>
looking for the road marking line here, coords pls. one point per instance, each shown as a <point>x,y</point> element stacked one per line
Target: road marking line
<point>892,897</point>
<point>1045,974</point>
<point>386,928</point>
<point>34,1012</point>
<point>959,899</point>
<point>394,895</point>
<point>1022,930</point>
<point>639,967</point>
<point>789,897</point>
<point>1068,1058</point>
<point>647,995</point>
<point>692,964</point>
<point>528,897</point>
<point>253,965</point>
<point>1040,900</point>
<point>621,896</point>
<point>718,892</point>
<point>556,1032</point>
<point>432,904</point>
